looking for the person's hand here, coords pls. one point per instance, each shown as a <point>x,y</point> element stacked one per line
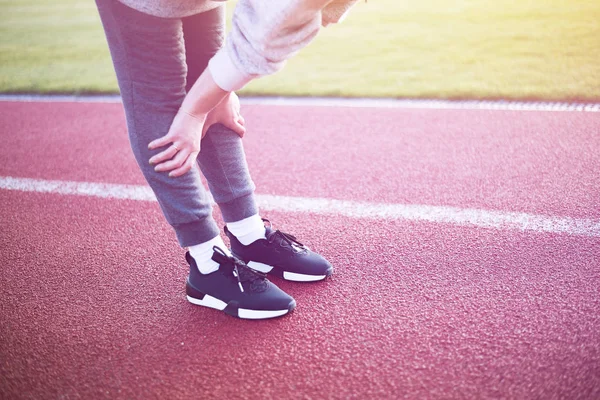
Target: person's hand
<point>182,144</point>
<point>227,112</point>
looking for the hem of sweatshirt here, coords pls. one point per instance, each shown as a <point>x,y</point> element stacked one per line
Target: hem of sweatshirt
<point>226,74</point>
<point>157,9</point>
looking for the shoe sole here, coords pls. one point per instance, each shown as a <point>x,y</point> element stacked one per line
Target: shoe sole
<point>286,275</point>
<point>201,299</point>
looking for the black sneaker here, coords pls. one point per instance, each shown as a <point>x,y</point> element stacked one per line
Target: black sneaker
<point>236,289</point>
<point>282,255</point>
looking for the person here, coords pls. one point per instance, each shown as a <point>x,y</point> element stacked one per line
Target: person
<point>177,76</point>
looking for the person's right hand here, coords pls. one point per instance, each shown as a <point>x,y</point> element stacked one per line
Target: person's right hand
<point>227,113</point>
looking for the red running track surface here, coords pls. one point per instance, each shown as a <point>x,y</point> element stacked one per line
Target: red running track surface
<point>93,302</point>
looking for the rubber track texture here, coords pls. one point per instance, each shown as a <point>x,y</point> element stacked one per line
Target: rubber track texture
<point>93,302</point>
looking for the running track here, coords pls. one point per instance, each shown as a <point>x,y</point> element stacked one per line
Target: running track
<point>93,303</point>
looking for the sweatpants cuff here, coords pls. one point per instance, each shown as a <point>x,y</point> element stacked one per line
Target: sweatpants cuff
<point>196,232</point>
<point>239,208</point>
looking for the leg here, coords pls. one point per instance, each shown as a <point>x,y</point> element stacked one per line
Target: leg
<point>149,58</point>
<point>221,157</point>
<point>224,165</point>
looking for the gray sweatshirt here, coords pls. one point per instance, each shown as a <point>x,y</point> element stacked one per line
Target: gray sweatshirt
<point>264,34</point>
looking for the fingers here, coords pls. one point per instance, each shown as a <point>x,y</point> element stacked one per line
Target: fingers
<point>160,142</point>
<point>173,163</point>
<point>165,155</point>
<point>228,114</point>
<point>235,125</point>
<point>239,128</point>
<point>187,165</point>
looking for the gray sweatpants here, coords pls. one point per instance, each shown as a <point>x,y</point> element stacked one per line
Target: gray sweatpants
<point>157,60</point>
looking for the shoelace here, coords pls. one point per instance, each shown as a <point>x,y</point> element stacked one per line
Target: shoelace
<point>239,270</point>
<point>290,239</point>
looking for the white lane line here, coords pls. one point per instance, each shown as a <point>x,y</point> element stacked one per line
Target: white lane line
<point>505,220</point>
<point>105,190</point>
<point>430,104</point>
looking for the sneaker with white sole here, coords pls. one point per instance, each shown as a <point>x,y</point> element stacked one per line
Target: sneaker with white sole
<point>282,255</point>
<point>236,289</point>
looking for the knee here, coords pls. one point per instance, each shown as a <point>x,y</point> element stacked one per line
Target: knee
<point>219,134</point>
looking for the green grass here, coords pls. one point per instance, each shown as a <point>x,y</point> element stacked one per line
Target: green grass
<point>518,49</point>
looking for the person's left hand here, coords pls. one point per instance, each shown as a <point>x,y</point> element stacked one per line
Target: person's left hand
<point>187,131</point>
<point>183,141</point>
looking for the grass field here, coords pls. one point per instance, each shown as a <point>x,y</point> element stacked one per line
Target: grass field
<point>518,49</point>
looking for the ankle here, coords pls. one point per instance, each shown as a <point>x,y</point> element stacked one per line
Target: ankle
<point>248,230</point>
<point>202,253</point>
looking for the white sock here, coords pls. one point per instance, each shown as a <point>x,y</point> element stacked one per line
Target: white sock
<point>248,230</point>
<point>203,253</point>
